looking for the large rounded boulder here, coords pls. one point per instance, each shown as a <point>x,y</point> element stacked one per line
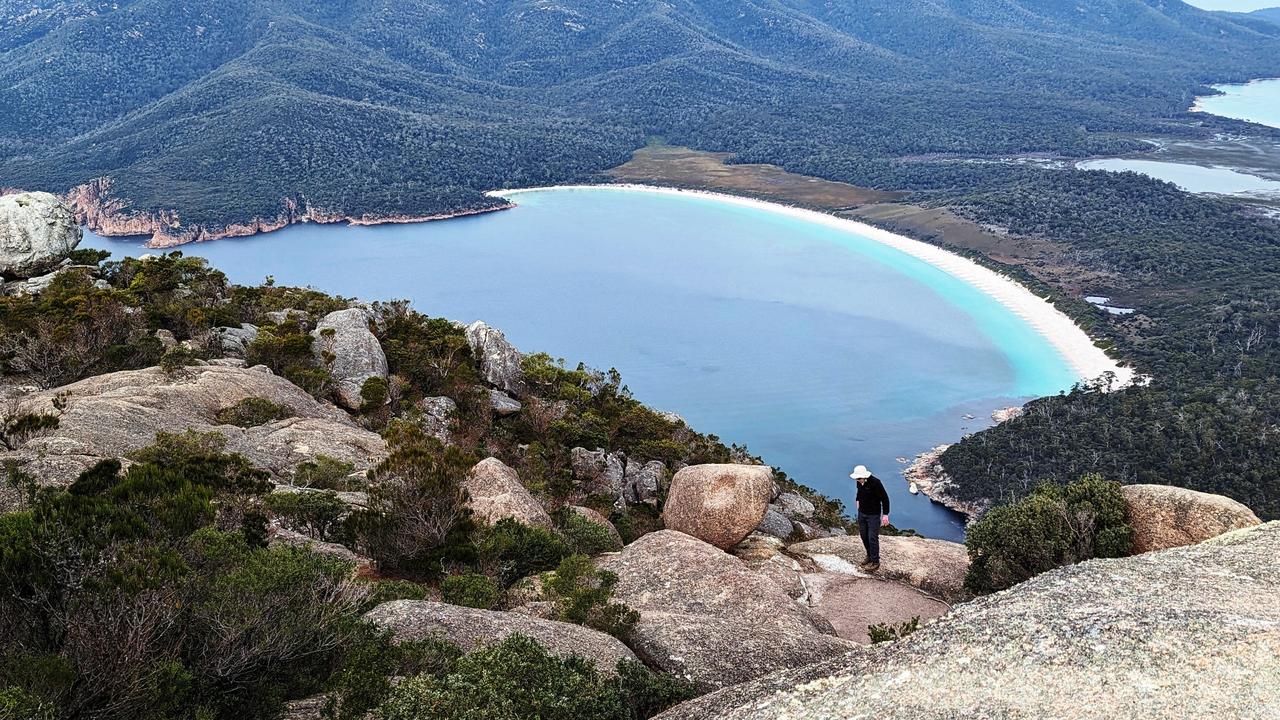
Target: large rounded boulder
<point>37,232</point>
<point>353,354</point>
<point>1164,517</point>
<point>469,628</point>
<point>718,504</point>
<point>495,492</point>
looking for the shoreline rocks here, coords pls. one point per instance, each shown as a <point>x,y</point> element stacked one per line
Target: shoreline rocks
<point>107,215</point>
<point>931,478</point>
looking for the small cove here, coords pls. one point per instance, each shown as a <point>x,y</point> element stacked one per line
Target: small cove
<point>1257,102</point>
<point>815,347</point>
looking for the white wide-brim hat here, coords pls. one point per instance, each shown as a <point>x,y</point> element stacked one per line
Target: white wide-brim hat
<point>860,473</point>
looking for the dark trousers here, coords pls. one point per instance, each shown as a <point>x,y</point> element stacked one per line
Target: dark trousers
<point>869,529</point>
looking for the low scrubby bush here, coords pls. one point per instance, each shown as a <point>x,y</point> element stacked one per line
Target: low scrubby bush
<point>583,535</point>
<point>470,590</point>
<point>583,593</point>
<point>252,412</point>
<point>518,679</point>
<point>1055,525</point>
<point>317,514</point>
<point>512,550</point>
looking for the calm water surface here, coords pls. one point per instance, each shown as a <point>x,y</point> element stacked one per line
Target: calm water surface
<point>1258,101</point>
<point>817,348</point>
<point>1192,178</point>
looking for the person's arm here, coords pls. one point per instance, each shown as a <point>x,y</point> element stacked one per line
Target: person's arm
<point>884,498</point>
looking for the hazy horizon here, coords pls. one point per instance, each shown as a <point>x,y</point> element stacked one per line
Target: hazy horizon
<point>1234,5</point>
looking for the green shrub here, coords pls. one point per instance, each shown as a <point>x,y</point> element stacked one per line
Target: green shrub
<point>200,457</point>
<point>287,349</point>
<point>373,394</point>
<point>470,590</point>
<point>326,473</point>
<point>252,412</point>
<point>584,536</point>
<point>176,359</point>
<point>649,693</point>
<point>417,518</point>
<point>514,550</point>
<point>17,429</point>
<point>371,659</point>
<point>87,256</point>
<point>582,593</point>
<point>315,513</point>
<point>888,632</point>
<point>1053,526</point>
<point>18,704</point>
<point>387,590</point>
<point>431,353</point>
<point>514,680</point>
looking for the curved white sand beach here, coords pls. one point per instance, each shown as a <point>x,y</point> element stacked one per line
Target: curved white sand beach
<point>1086,359</point>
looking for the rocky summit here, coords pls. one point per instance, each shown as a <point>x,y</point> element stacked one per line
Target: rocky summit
<point>1151,636</point>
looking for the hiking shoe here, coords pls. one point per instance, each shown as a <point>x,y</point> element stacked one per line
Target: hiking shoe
<point>871,566</point>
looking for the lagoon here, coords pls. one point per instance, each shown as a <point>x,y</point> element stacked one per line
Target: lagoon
<point>1192,178</point>
<point>1257,102</point>
<point>816,347</point>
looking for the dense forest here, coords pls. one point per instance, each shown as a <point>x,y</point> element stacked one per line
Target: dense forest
<point>227,111</point>
<point>1204,274</point>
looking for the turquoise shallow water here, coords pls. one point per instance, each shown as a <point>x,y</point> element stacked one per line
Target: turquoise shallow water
<point>817,348</point>
<point>1258,101</point>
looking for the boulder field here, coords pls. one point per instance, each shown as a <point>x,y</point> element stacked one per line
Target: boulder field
<point>1150,636</point>
<point>112,415</point>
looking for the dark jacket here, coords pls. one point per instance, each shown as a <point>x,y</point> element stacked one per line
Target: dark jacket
<point>872,498</point>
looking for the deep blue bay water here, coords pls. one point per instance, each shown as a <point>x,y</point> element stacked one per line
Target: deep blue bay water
<point>816,347</point>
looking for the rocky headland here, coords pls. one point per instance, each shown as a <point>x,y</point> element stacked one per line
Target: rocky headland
<point>106,214</point>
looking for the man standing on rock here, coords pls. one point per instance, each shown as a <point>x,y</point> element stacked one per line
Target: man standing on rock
<point>873,512</point>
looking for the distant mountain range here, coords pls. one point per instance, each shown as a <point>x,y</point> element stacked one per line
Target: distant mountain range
<point>1270,14</point>
<point>223,112</point>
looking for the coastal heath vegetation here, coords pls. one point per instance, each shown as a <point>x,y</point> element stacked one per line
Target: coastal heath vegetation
<point>1055,525</point>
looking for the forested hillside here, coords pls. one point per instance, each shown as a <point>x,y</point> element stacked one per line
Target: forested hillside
<point>232,110</point>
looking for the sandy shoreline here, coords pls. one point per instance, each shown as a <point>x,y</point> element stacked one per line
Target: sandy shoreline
<point>1086,359</point>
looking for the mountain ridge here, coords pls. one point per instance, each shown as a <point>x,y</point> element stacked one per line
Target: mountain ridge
<point>222,114</point>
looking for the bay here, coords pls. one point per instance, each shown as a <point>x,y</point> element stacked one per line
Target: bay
<point>817,348</point>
